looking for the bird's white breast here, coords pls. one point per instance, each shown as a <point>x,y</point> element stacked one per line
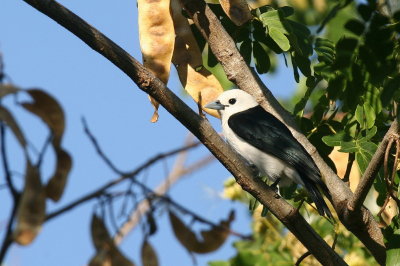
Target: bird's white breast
<point>268,165</point>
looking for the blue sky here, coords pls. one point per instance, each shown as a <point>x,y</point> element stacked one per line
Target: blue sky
<point>39,53</point>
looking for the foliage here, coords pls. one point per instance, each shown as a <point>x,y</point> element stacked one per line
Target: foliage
<point>272,243</point>
<point>351,86</point>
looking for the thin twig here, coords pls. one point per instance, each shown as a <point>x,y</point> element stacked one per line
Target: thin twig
<point>43,151</point>
<point>124,177</point>
<point>394,170</point>
<point>385,164</point>
<point>176,174</point>
<point>143,206</point>
<point>98,149</point>
<point>350,161</point>
<point>387,199</point>
<point>302,257</point>
<point>110,164</point>
<point>5,163</point>
<point>185,210</point>
<point>7,239</point>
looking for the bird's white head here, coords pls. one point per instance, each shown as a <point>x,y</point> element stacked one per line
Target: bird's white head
<point>231,102</point>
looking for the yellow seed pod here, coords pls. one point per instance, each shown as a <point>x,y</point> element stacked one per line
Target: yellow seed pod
<point>237,10</point>
<point>156,36</point>
<point>253,4</point>
<point>187,59</point>
<point>300,4</point>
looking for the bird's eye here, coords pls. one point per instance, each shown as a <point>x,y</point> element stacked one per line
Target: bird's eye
<point>232,101</point>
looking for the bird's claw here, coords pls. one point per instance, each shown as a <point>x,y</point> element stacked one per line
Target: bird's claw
<point>274,185</point>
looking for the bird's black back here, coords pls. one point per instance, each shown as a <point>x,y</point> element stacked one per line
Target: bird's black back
<point>265,132</point>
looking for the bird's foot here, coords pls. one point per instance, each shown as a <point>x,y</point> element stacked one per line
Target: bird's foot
<point>274,185</point>
<point>300,205</point>
<point>254,169</point>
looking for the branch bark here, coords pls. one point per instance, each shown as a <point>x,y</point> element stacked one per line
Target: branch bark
<point>361,224</point>
<point>200,127</point>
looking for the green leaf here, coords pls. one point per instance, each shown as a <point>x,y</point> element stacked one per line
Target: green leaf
<point>264,211</point>
<point>335,140</point>
<point>211,59</point>
<point>336,86</point>
<point>219,263</point>
<point>276,29</point>
<point>355,26</point>
<point>325,50</point>
<point>299,107</point>
<point>370,115</point>
<point>322,42</point>
<point>371,133</point>
<point>360,115</point>
<point>261,58</point>
<point>364,155</point>
<point>281,40</point>
<point>348,146</point>
<point>245,50</point>
<point>303,63</point>
<point>287,11</point>
<point>365,115</point>
<point>365,11</point>
<point>272,20</point>
<point>389,90</point>
<point>393,250</point>
<point>345,49</point>
<point>253,203</point>
<point>299,29</point>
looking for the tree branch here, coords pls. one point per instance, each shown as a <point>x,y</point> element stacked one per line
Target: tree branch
<point>200,127</point>
<point>224,48</point>
<point>7,239</point>
<point>98,192</point>
<point>176,174</point>
<point>184,209</point>
<point>372,170</point>
<point>4,159</point>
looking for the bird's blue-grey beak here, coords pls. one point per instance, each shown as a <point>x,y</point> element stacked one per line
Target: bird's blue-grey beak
<point>217,105</point>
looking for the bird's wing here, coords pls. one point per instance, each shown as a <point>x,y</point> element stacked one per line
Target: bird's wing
<point>265,132</point>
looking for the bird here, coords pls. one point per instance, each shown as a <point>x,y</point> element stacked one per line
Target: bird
<point>266,143</point>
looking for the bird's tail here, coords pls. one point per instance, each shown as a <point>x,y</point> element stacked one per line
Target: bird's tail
<point>318,199</point>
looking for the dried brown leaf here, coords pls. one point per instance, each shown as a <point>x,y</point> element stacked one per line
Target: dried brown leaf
<point>107,252</point>
<point>148,254</point>
<point>52,114</point>
<point>49,110</point>
<point>101,258</point>
<point>56,185</point>
<point>212,239</point>
<point>216,236</point>
<point>31,208</point>
<point>6,89</point>
<point>118,259</point>
<point>100,236</point>
<point>237,10</point>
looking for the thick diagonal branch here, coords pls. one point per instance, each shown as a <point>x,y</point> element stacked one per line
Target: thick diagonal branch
<point>200,127</point>
<point>361,224</point>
